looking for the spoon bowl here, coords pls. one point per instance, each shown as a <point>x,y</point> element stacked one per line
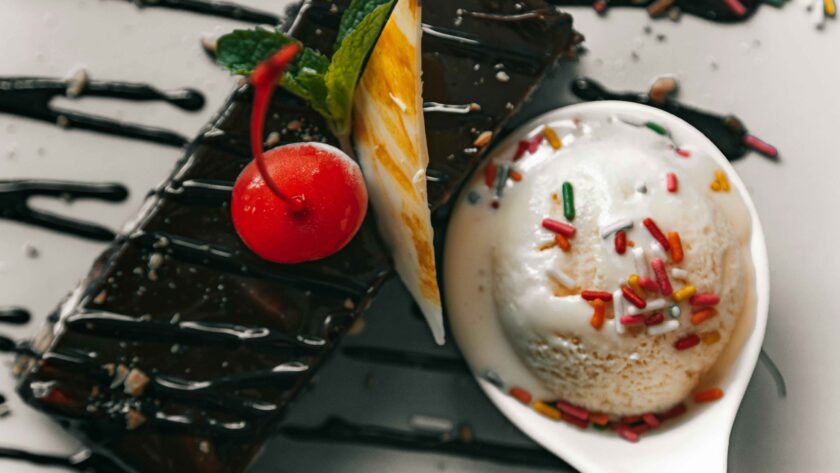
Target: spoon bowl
<point>699,440</point>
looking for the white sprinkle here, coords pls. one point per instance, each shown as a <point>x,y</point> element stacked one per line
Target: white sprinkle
<point>562,278</point>
<point>272,140</point>
<point>651,306</point>
<point>77,84</point>
<point>618,306</point>
<point>658,251</point>
<point>609,229</point>
<point>430,424</point>
<point>502,76</point>
<point>641,262</point>
<point>665,327</point>
<point>679,273</point>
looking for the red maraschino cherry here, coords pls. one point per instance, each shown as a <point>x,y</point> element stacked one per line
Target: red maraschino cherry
<point>297,202</point>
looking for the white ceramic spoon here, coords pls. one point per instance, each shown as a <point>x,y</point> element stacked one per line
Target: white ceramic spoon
<point>699,441</point>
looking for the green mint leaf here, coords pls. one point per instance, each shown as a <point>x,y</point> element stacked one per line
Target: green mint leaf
<point>355,13</point>
<point>242,50</point>
<point>347,64</point>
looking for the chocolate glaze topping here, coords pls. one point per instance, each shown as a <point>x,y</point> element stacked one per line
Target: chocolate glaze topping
<point>180,349</point>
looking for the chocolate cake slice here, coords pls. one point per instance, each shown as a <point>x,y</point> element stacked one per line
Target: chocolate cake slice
<point>181,350</point>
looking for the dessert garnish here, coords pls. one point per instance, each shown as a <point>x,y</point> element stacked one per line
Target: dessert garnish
<point>327,84</point>
<point>297,202</point>
<point>390,138</point>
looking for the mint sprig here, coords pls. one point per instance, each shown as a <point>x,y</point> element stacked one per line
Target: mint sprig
<point>326,84</point>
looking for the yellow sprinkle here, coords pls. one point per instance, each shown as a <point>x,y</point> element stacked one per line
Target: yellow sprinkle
<point>685,293</point>
<point>710,338</point>
<point>715,186</point>
<point>720,177</point>
<point>830,7</point>
<point>547,410</point>
<point>633,282</point>
<point>552,138</point>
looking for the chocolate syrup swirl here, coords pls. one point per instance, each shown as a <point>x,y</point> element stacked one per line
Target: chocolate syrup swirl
<point>213,8</point>
<point>726,132</point>
<point>337,430</point>
<point>14,204</point>
<point>31,97</point>
<point>713,10</point>
<point>14,316</point>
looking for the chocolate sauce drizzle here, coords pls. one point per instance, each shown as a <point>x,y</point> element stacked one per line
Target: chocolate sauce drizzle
<point>31,97</point>
<point>14,204</point>
<point>713,10</point>
<point>337,430</point>
<point>14,316</point>
<point>726,132</point>
<point>85,461</point>
<point>213,8</point>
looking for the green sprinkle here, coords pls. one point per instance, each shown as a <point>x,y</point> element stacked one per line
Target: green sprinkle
<point>657,128</point>
<point>568,201</point>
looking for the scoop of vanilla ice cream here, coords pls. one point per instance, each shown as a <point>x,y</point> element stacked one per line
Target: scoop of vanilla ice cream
<point>618,172</point>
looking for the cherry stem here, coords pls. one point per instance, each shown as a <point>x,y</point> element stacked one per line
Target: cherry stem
<point>264,79</point>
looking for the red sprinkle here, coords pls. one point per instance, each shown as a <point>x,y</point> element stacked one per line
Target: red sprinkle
<point>600,6</point>
<point>704,299</point>
<point>592,295</point>
<point>655,319</point>
<point>521,395</point>
<point>687,342</point>
<point>648,284</point>
<point>535,143</point>
<point>661,276</point>
<point>632,297</point>
<point>675,411</point>
<point>630,420</point>
<point>651,420</point>
<point>576,422</point>
<point>572,410</point>
<point>657,233</point>
<point>627,433</point>
<point>737,8</point>
<point>556,226</point>
<point>490,175</point>
<point>637,319</point>
<point>761,146</point>
<point>671,180</point>
<point>520,150</point>
<point>684,153</point>
<point>620,242</point>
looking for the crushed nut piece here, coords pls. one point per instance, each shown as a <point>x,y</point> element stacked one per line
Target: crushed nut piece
<point>135,382</point>
<point>483,139</point>
<point>134,419</point>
